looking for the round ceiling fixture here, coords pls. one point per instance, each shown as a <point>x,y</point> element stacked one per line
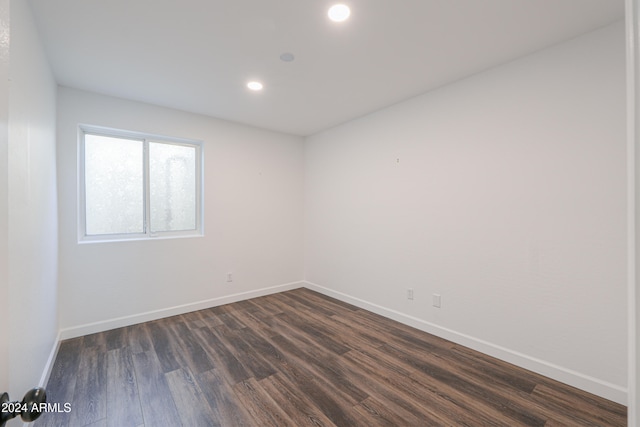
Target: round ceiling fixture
<point>339,12</point>
<point>255,86</point>
<point>287,57</point>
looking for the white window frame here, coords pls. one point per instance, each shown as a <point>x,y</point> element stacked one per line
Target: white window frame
<point>146,139</point>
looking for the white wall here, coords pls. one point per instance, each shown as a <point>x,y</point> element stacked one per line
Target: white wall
<point>32,206</point>
<point>4,197</point>
<point>253,221</point>
<point>505,193</point>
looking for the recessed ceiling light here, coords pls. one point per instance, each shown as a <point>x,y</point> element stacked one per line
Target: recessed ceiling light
<point>339,12</point>
<point>255,86</point>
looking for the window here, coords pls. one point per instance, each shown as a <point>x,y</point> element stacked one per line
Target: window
<point>136,186</point>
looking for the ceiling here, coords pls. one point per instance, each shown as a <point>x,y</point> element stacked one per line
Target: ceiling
<point>198,55</point>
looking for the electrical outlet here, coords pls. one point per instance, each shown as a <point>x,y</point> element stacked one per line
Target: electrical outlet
<point>229,277</point>
<point>409,293</point>
<point>437,300</point>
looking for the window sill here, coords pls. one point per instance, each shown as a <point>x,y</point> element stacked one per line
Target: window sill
<point>137,238</point>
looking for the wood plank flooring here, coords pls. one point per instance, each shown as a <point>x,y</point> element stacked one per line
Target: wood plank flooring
<point>300,358</point>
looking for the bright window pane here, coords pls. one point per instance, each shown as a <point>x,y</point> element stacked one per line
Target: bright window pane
<point>172,182</point>
<point>113,185</point>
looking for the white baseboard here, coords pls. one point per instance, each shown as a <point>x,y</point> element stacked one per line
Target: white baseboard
<point>46,373</point>
<point>105,325</point>
<point>576,379</point>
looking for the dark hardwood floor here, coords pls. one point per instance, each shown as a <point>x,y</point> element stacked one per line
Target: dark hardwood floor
<point>299,358</point>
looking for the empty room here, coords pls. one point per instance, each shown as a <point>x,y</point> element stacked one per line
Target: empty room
<point>322,213</point>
